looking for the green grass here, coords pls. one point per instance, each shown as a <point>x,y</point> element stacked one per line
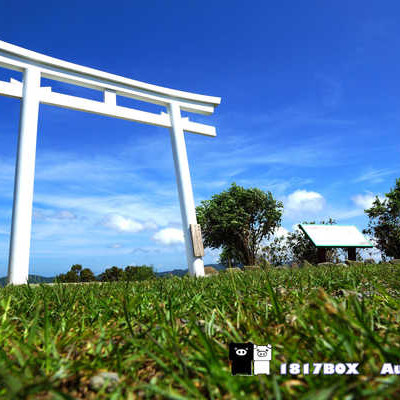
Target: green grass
<point>168,338</point>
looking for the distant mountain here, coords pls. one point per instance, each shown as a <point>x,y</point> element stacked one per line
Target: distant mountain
<point>182,272</point>
<point>218,267</point>
<point>174,272</point>
<point>31,279</point>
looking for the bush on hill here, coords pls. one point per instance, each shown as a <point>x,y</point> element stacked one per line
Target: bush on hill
<point>76,274</point>
<point>384,223</point>
<point>112,274</point>
<point>138,273</point>
<point>237,220</point>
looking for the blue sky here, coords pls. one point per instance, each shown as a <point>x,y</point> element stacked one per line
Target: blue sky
<point>310,111</point>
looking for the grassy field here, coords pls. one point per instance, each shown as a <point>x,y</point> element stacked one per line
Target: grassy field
<point>168,338</point>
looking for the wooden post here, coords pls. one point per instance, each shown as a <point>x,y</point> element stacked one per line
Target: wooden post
<point>351,251</point>
<point>321,254</point>
<point>198,248</point>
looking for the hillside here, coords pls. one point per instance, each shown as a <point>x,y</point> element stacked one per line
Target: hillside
<point>169,338</point>
<point>174,272</point>
<point>32,279</point>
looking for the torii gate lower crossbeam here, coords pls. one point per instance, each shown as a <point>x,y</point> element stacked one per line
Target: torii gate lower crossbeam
<point>35,66</point>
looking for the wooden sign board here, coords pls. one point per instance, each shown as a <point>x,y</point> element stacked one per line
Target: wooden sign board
<point>198,249</point>
<point>335,235</point>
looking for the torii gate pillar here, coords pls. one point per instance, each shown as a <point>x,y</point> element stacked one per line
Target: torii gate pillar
<point>186,200</point>
<point>18,266</point>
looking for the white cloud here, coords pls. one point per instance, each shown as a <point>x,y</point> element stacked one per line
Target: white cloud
<point>365,201</point>
<point>120,204</point>
<point>75,190</point>
<point>304,201</point>
<point>280,231</point>
<point>267,182</point>
<point>295,228</point>
<point>374,175</point>
<point>145,250</point>
<point>64,215</point>
<point>371,252</point>
<point>211,256</point>
<point>122,224</point>
<point>116,246</point>
<point>43,215</point>
<point>169,236</point>
<point>7,171</point>
<point>150,225</point>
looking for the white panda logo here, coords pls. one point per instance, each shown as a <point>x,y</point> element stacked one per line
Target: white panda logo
<point>262,357</point>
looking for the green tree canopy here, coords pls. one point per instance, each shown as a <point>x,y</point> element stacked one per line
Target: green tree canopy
<point>228,257</point>
<point>76,268</point>
<point>238,219</point>
<point>77,274</point>
<point>138,273</point>
<point>87,275</point>
<point>70,276</point>
<point>384,222</point>
<point>112,274</point>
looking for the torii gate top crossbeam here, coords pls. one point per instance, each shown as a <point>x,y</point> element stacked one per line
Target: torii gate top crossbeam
<point>20,59</point>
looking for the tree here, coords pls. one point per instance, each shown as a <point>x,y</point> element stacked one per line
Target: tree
<point>86,275</point>
<point>238,220</point>
<point>70,276</point>
<point>76,274</point>
<point>138,273</point>
<point>76,268</point>
<point>112,274</point>
<point>228,257</point>
<point>277,252</point>
<point>60,278</point>
<point>297,247</point>
<point>384,222</point>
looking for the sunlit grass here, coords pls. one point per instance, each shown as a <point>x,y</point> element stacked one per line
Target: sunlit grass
<point>168,338</point>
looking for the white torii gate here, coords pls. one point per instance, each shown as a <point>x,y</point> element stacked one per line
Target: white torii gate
<point>35,66</point>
